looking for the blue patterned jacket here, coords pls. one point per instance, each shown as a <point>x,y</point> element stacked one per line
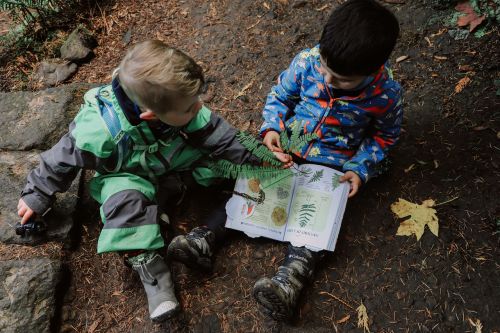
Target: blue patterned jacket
<point>354,133</point>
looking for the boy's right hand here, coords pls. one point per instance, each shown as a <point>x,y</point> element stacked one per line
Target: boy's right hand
<point>272,141</point>
<point>24,211</point>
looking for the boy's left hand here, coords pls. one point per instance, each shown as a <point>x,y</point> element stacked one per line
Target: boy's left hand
<point>354,181</point>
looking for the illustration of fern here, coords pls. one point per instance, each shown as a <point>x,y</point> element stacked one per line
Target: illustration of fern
<point>317,175</point>
<point>306,212</point>
<point>335,181</point>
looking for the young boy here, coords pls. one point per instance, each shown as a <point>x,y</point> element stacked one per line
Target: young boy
<point>341,90</point>
<point>149,122</point>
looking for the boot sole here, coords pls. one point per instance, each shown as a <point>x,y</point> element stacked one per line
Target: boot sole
<point>184,254</point>
<point>271,303</point>
<point>166,315</point>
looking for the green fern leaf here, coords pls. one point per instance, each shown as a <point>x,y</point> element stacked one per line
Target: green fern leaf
<point>226,169</point>
<point>257,148</point>
<point>317,175</point>
<point>306,212</point>
<point>335,181</point>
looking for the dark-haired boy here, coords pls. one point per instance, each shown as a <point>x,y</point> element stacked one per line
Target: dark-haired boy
<point>343,91</point>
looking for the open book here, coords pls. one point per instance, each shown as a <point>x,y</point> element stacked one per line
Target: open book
<point>305,209</point>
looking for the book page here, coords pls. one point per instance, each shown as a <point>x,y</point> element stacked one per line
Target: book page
<point>266,219</point>
<point>317,208</point>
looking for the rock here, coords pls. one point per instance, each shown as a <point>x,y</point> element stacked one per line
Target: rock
<point>209,324</point>
<point>38,119</point>
<point>54,71</point>
<point>127,37</point>
<point>79,45</point>
<point>14,166</point>
<point>27,296</point>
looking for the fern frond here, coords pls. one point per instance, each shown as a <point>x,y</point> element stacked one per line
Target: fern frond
<point>226,169</point>
<point>285,142</point>
<point>303,140</point>
<point>257,148</point>
<point>294,136</point>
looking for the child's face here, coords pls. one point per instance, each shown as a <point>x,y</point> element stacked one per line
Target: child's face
<point>179,112</point>
<point>339,81</point>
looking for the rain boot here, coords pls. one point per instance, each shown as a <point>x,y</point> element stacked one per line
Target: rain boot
<point>278,295</point>
<point>156,279</point>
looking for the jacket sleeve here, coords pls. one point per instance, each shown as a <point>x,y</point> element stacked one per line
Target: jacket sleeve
<point>59,165</point>
<point>373,149</point>
<point>209,131</point>
<point>283,97</point>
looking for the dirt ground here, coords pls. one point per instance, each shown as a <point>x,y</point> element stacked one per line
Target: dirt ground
<point>449,151</point>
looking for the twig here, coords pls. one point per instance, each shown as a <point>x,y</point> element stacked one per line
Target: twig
<point>337,299</point>
<point>445,202</point>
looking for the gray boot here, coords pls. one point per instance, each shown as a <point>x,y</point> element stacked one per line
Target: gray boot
<point>278,295</point>
<point>157,282</point>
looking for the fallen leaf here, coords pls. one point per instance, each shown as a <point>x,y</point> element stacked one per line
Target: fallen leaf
<point>363,317</point>
<point>418,217</point>
<point>480,128</point>
<point>242,91</point>
<point>470,18</point>
<point>343,320</point>
<point>246,126</point>
<point>408,169</point>
<point>465,68</point>
<point>462,84</point>
<point>440,58</point>
<point>436,164</point>
<point>477,324</point>
<point>402,58</point>
<point>94,325</point>
<point>322,8</point>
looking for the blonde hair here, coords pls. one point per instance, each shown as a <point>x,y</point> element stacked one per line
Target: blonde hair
<point>152,73</point>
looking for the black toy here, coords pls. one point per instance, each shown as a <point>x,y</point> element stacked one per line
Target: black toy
<point>30,228</point>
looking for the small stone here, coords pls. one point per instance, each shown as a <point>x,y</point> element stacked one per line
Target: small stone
<point>243,98</point>
<point>54,71</point>
<point>298,3</point>
<point>208,324</point>
<point>127,37</point>
<point>258,255</point>
<point>79,45</point>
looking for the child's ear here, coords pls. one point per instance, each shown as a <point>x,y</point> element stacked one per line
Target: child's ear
<point>148,115</point>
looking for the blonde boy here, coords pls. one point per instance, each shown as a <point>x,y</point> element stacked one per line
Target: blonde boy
<point>148,123</point>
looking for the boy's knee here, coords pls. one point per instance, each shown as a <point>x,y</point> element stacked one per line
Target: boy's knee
<point>129,208</point>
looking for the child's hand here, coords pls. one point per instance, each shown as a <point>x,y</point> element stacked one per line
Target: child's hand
<point>24,211</point>
<point>285,158</point>
<point>272,141</point>
<point>354,181</point>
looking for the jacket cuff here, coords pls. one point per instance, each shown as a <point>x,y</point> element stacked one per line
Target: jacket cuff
<point>38,202</point>
<point>264,131</point>
<point>358,169</point>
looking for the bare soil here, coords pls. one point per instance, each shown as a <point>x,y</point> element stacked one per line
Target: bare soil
<point>449,151</point>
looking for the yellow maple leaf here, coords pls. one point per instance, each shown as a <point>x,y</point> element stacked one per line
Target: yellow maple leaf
<point>418,217</point>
